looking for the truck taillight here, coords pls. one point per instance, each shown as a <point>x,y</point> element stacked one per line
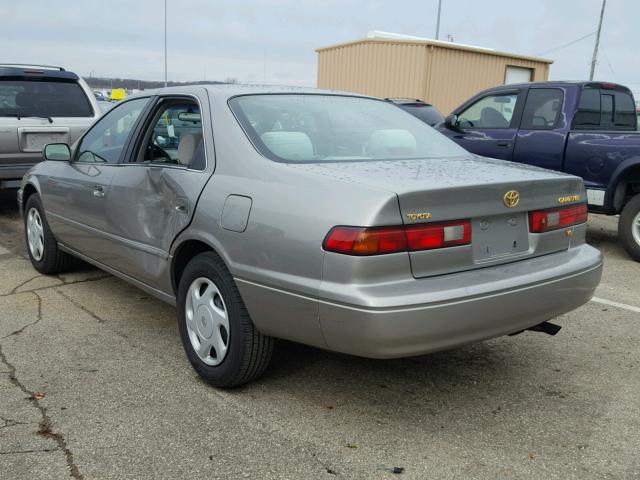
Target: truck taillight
<point>382,240</point>
<point>555,218</point>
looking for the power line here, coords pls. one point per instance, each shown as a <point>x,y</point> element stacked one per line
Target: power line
<point>565,45</point>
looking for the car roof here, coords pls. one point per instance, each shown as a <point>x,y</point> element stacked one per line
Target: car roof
<point>36,71</point>
<point>233,90</point>
<point>559,83</point>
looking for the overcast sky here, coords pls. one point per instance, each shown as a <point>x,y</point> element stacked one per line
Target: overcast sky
<point>276,39</point>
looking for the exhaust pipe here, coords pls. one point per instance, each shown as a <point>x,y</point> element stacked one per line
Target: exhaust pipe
<point>546,327</point>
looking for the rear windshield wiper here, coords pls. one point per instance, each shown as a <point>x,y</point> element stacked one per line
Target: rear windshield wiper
<point>18,116</point>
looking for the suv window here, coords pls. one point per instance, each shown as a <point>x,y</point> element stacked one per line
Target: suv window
<point>43,98</point>
<point>106,139</point>
<point>492,111</point>
<point>605,109</point>
<point>542,109</point>
<point>175,137</point>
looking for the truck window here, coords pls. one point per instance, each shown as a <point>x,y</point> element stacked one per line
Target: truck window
<point>605,109</point>
<point>492,111</point>
<point>542,109</point>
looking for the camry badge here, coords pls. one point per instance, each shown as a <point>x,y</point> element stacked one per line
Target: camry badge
<point>511,198</point>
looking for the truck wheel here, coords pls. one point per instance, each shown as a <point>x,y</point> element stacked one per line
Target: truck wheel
<point>220,340</point>
<point>42,246</point>
<point>629,228</point>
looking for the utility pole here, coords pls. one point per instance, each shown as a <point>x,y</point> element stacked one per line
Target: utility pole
<point>438,21</point>
<point>165,43</point>
<point>595,49</point>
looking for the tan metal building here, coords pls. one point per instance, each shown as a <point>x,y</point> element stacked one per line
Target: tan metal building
<point>442,73</point>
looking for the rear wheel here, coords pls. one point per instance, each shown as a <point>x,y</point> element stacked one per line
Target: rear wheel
<point>42,246</point>
<point>629,227</point>
<point>217,333</point>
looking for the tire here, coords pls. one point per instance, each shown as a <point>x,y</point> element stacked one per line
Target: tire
<point>629,228</point>
<point>212,318</point>
<point>46,258</point>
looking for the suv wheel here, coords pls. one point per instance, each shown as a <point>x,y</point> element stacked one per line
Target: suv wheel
<point>42,246</point>
<point>629,227</point>
<point>217,333</point>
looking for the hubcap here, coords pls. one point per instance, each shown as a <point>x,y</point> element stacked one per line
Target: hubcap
<point>35,234</point>
<point>635,228</point>
<point>207,321</point>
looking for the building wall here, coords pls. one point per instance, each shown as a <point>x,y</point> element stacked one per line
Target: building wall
<point>443,76</point>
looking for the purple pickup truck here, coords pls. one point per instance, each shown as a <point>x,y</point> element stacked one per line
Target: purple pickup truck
<point>584,128</point>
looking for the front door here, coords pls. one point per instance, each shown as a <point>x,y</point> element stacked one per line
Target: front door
<point>77,192</point>
<point>488,127</point>
<point>153,195</point>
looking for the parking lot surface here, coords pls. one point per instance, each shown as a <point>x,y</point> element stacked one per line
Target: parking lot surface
<point>94,384</point>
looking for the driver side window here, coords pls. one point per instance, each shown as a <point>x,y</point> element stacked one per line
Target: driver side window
<point>492,111</point>
<point>106,139</point>
<point>175,137</point>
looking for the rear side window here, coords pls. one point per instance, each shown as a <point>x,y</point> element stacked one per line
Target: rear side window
<point>605,109</point>
<point>43,98</point>
<point>542,109</point>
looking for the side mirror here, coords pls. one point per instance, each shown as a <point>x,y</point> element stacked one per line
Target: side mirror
<point>59,152</point>
<point>452,122</point>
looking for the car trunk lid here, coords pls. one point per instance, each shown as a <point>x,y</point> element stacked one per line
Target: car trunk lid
<point>472,188</point>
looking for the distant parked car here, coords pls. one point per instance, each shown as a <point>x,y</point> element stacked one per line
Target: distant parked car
<point>329,219</point>
<point>99,96</point>
<point>419,109</point>
<point>39,105</point>
<point>582,128</point>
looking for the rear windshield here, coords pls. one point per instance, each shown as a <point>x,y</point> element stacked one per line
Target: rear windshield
<point>324,128</point>
<point>43,98</point>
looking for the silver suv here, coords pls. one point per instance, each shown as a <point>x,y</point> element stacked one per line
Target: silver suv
<point>39,105</point>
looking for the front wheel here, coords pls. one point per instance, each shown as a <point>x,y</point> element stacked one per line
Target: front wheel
<point>220,340</point>
<point>44,253</point>
<point>629,228</point>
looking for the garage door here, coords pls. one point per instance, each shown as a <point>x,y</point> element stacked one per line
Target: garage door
<point>518,75</point>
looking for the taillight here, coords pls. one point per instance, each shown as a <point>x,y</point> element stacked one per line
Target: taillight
<point>438,235</point>
<point>382,240</point>
<point>554,218</point>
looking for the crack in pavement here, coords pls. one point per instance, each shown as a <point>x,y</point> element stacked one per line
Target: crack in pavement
<point>81,307</point>
<point>86,280</point>
<point>40,450</point>
<point>15,289</point>
<point>20,330</point>
<point>46,426</point>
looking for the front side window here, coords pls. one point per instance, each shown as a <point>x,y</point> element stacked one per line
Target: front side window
<point>175,137</point>
<point>326,128</point>
<point>43,98</point>
<point>542,109</point>
<point>492,111</point>
<point>106,139</point>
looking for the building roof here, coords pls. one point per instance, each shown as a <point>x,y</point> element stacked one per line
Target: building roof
<point>393,38</point>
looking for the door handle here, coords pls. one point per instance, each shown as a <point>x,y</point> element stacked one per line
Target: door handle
<point>504,143</point>
<point>98,191</point>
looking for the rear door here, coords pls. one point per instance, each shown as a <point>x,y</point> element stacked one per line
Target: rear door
<point>154,194</point>
<point>543,129</point>
<point>489,125</point>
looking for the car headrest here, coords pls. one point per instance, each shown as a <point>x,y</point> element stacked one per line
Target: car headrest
<point>289,145</point>
<point>187,148</point>
<point>393,141</point>
<point>490,117</point>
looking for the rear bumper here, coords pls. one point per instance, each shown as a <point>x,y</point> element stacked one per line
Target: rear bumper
<point>464,308</point>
